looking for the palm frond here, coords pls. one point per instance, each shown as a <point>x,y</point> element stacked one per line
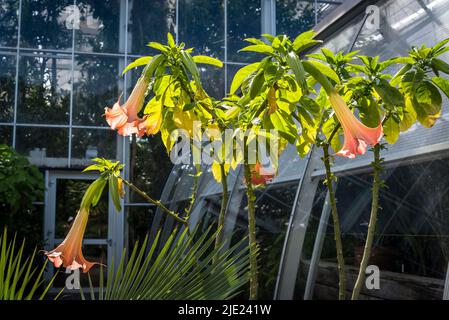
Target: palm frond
<point>186,267</point>
<point>20,278</point>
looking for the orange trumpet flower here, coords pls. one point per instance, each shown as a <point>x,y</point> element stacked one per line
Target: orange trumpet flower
<point>260,175</point>
<point>125,118</point>
<point>69,253</point>
<point>356,135</point>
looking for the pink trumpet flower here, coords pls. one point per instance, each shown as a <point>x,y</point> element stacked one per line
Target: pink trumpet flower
<point>69,253</point>
<point>124,118</point>
<point>356,135</point>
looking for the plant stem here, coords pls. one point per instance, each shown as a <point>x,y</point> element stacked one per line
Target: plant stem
<point>224,203</point>
<point>193,197</point>
<point>253,248</point>
<point>155,202</point>
<point>372,224</point>
<point>336,221</point>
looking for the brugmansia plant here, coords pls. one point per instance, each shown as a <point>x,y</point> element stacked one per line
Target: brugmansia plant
<point>20,277</point>
<point>185,268</point>
<point>285,98</point>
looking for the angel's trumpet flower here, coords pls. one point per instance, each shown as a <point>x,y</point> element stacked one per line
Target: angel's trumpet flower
<point>69,253</point>
<point>356,135</point>
<point>260,175</point>
<point>124,118</point>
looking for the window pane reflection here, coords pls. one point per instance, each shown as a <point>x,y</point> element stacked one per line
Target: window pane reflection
<point>213,80</point>
<point>7,87</point>
<point>96,86</point>
<point>48,24</point>
<point>201,26</point>
<point>150,20</point>
<point>273,208</point>
<point>410,244</point>
<point>91,143</point>
<point>41,143</point>
<point>6,135</point>
<point>44,89</point>
<point>69,194</point>
<point>149,166</point>
<point>8,22</point>
<point>98,29</point>
<point>294,17</point>
<point>243,22</point>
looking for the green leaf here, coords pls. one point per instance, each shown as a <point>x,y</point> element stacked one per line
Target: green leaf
<point>397,60</point>
<point>369,112</point>
<point>153,65</point>
<point>159,46</point>
<point>298,70</point>
<point>114,192</point>
<point>170,40</point>
<point>241,75</point>
<point>208,60</point>
<point>397,77</point>
<point>261,48</point>
<point>443,84</point>
<point>300,44</point>
<point>282,122</point>
<point>254,41</point>
<point>256,84</point>
<point>327,71</point>
<point>390,95</point>
<point>409,116</point>
<point>440,65</point>
<point>391,130</point>
<point>191,67</point>
<point>137,63</point>
<point>183,266</point>
<point>20,276</point>
<point>427,103</point>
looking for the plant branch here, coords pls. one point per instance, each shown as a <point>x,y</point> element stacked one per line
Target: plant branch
<point>376,164</point>
<point>336,222</point>
<point>193,197</point>
<point>224,203</point>
<point>253,247</point>
<point>156,202</point>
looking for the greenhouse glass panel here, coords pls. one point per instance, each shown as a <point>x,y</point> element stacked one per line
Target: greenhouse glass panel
<point>44,89</point>
<point>7,87</point>
<point>97,84</point>
<point>98,27</point>
<point>9,21</point>
<point>48,24</point>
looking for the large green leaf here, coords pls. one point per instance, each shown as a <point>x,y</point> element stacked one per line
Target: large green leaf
<point>305,40</point>
<point>391,96</point>
<point>283,122</point>
<point>186,267</point>
<point>137,63</point>
<point>208,60</point>
<point>261,48</point>
<point>298,70</point>
<point>327,71</point>
<point>427,103</point>
<point>241,75</point>
<point>440,65</point>
<point>391,130</point>
<point>409,116</point>
<point>443,84</point>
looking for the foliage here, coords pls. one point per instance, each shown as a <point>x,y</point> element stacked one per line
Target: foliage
<point>20,277</point>
<point>186,267</point>
<point>20,185</point>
